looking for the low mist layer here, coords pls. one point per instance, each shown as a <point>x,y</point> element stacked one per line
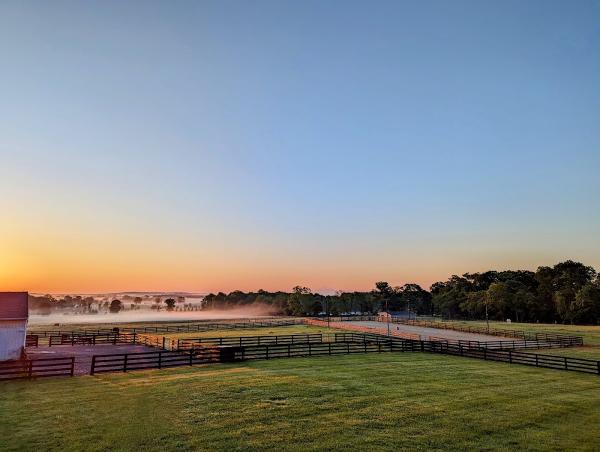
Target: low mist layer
<point>151,316</point>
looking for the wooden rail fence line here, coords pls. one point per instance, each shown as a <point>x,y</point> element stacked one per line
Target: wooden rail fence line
<point>37,368</point>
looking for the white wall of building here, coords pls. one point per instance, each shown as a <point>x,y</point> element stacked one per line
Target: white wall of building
<point>12,338</point>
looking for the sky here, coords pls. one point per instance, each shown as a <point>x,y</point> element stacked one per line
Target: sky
<point>204,146</point>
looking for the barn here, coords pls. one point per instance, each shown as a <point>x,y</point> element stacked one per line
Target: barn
<point>14,312</point>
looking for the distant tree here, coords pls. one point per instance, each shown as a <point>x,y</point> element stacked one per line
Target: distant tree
<point>414,298</point>
<point>170,302</point>
<point>115,306</point>
<point>587,303</point>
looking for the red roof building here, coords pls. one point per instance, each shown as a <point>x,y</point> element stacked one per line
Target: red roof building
<point>14,306</point>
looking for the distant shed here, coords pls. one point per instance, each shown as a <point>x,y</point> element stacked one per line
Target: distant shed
<point>14,312</point>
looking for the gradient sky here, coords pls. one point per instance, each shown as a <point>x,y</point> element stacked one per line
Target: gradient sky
<point>219,145</point>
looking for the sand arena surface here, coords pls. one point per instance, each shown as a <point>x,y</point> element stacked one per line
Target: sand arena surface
<point>426,333</point>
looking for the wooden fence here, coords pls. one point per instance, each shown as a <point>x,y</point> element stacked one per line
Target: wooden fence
<point>124,362</point>
<point>513,357</point>
<point>31,340</point>
<point>187,343</point>
<point>550,337</point>
<point>37,368</point>
<point>187,327</point>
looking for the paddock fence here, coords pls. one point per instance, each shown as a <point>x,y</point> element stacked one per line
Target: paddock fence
<point>514,357</point>
<point>213,350</point>
<point>45,335</point>
<point>37,368</point>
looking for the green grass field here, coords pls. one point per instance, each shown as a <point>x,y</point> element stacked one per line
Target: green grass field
<point>388,402</point>
<point>269,331</point>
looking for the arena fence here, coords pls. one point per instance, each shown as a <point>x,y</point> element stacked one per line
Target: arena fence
<point>523,335</point>
<point>538,341</point>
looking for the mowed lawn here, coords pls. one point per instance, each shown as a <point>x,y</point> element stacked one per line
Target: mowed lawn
<point>361,402</point>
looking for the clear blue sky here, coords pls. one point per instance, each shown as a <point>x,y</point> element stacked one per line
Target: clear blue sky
<point>204,145</point>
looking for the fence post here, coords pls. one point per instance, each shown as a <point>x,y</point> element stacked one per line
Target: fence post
<point>93,365</point>
<point>163,341</point>
<point>309,350</point>
<point>510,356</point>
<point>72,365</point>
<point>191,355</point>
<point>329,343</point>
<point>125,363</point>
<point>566,365</point>
<point>536,360</point>
<point>30,369</point>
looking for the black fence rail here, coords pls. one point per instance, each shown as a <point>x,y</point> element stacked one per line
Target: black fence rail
<point>107,339</point>
<point>124,362</point>
<point>512,344</point>
<point>513,357</point>
<point>88,339</point>
<point>273,351</point>
<point>187,343</point>
<point>37,368</point>
<point>574,339</point>
<point>31,340</point>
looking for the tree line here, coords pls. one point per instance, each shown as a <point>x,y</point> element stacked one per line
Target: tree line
<point>568,292</point>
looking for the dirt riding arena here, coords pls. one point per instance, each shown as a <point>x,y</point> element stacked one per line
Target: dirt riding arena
<point>83,353</point>
<point>426,333</point>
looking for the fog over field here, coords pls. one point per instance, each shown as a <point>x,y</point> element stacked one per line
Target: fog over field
<point>151,316</point>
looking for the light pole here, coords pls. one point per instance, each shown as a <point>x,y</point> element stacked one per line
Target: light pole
<point>487,320</point>
<point>388,316</point>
